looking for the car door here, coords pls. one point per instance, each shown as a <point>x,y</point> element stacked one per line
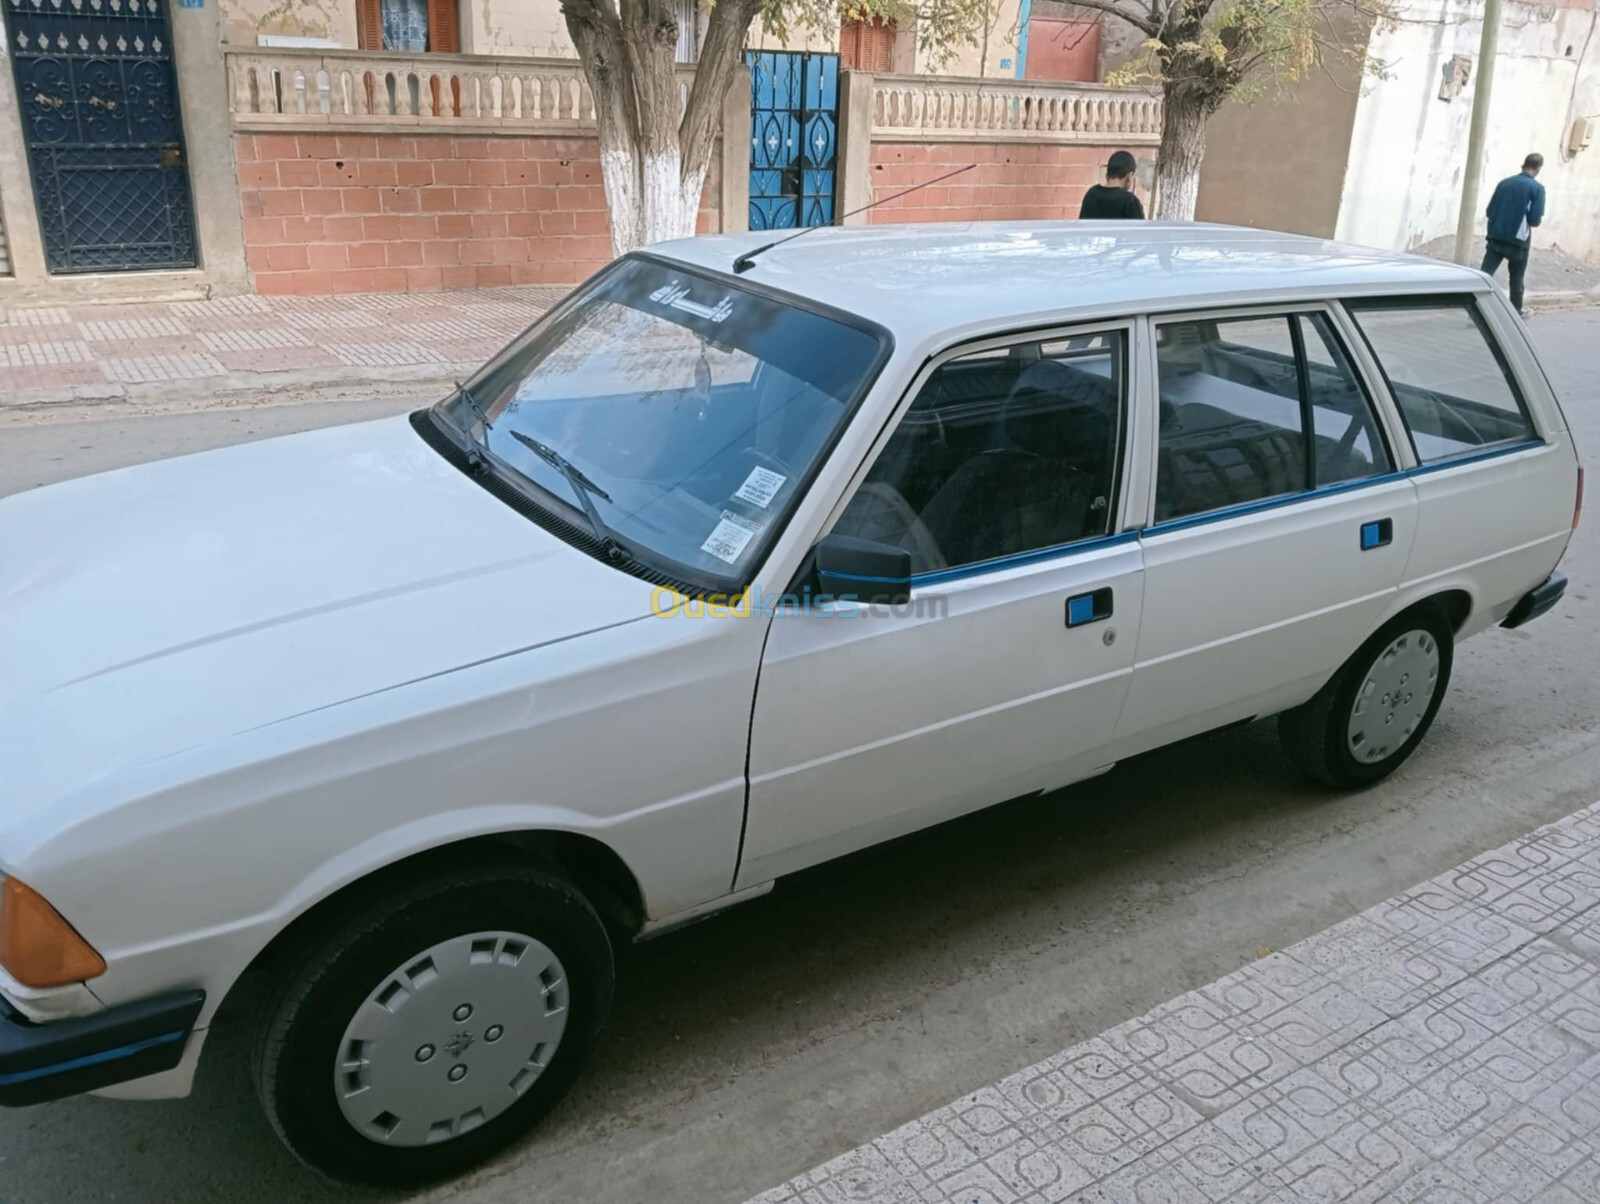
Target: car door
<point>1279,522</point>
<point>1495,494</point>
<point>1005,478</point>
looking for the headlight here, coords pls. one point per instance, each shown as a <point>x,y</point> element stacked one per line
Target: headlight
<point>37,947</point>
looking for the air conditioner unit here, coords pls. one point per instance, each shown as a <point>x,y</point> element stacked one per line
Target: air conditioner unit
<point>1582,133</point>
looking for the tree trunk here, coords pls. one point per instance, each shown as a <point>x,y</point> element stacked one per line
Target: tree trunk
<point>1183,146</point>
<point>655,149</point>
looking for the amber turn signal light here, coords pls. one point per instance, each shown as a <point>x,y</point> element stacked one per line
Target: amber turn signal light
<point>37,947</point>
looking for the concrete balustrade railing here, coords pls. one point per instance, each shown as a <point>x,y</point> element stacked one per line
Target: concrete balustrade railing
<point>307,89</point>
<point>917,108</point>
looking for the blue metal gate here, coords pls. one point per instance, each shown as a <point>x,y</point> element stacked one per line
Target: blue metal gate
<point>100,121</point>
<point>794,127</point>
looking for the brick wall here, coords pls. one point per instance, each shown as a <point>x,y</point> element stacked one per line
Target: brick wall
<point>355,213</point>
<point>1011,180</point>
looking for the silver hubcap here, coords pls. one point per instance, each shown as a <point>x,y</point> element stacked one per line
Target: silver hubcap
<point>1394,696</point>
<point>451,1039</point>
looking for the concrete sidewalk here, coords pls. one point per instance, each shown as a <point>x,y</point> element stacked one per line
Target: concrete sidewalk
<point>1443,1046</point>
<point>250,349</point>
<point>196,353</point>
<point>1555,279</point>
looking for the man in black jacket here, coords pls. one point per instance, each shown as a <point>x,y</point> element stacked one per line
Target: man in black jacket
<point>1115,198</point>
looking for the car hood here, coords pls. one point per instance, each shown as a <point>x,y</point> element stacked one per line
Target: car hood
<point>155,609</point>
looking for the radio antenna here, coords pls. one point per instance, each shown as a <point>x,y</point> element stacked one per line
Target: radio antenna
<point>747,261</point>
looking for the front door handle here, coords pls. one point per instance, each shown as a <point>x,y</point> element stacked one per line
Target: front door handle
<point>1089,608</point>
<point>1377,534</point>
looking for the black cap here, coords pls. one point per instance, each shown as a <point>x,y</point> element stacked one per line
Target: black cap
<point>1121,164</point>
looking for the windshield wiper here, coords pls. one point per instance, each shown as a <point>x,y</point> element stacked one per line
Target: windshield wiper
<point>475,457</point>
<point>583,488</point>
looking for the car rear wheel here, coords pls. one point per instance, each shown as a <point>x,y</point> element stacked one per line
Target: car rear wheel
<point>1374,712</point>
<point>435,1027</point>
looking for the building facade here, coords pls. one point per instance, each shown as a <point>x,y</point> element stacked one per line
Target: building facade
<point>189,147</point>
<point>1378,159</point>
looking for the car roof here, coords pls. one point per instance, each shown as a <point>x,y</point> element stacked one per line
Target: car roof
<point>921,279</point>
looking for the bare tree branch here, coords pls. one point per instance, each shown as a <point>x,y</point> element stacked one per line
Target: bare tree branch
<point>1136,13</point>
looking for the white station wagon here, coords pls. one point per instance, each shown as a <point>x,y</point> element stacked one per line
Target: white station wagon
<point>741,559</point>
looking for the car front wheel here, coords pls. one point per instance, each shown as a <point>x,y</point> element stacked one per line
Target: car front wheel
<point>1378,706</point>
<point>436,1026</point>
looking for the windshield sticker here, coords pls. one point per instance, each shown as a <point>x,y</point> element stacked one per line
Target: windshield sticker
<point>728,539</point>
<point>760,487</point>
<point>677,296</point>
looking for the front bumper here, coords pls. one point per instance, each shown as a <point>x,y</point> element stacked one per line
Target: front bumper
<point>1536,601</point>
<point>40,1062</point>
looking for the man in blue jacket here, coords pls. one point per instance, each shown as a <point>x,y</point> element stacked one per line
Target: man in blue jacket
<point>1516,207</point>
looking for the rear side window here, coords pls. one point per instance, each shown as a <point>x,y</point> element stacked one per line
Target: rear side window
<point>1239,397</point>
<point>1453,386</point>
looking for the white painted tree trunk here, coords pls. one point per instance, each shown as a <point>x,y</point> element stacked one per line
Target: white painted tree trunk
<point>650,197</point>
<point>624,185</point>
<point>655,147</point>
<point>1183,146</point>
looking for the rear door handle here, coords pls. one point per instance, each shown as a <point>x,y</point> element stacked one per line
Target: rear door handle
<point>1377,534</point>
<point>1089,608</point>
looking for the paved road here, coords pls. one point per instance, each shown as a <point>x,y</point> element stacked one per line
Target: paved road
<point>866,993</point>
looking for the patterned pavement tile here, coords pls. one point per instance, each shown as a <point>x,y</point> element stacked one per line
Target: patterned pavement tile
<point>277,360</point>
<point>321,319</point>
<point>144,343</point>
<point>1440,1048</point>
<point>1519,1156</point>
<point>1264,988</point>
<point>1366,1159</point>
<point>134,329</point>
<point>143,369</point>
<point>253,340</point>
<point>1573,1100</point>
<point>381,355</point>
<point>44,353</point>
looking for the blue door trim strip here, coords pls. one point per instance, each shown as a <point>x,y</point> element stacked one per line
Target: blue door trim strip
<point>941,576</point>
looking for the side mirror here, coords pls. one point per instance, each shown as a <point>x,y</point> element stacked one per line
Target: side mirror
<point>863,571</point>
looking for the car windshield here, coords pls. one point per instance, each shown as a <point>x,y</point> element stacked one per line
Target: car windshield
<point>680,415</point>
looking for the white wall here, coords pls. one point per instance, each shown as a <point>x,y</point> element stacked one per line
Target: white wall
<point>515,27</point>
<point>243,20</point>
<point>1403,182</point>
<point>1005,28</point>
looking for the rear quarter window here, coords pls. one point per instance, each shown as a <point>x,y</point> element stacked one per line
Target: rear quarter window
<point>1453,385</point>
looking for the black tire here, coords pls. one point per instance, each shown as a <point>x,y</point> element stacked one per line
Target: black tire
<point>1314,734</point>
<point>303,1024</point>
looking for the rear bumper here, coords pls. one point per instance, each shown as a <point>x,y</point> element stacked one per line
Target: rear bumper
<point>1536,601</point>
<point>40,1062</point>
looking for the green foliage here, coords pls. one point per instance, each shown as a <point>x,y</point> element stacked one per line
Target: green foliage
<point>943,27</point>
<point>1215,49</point>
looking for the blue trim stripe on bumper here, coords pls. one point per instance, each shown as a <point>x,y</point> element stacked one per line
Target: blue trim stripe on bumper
<point>110,1055</point>
<point>40,1062</point>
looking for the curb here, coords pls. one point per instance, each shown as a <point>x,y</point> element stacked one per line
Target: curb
<point>1565,299</point>
<point>242,389</point>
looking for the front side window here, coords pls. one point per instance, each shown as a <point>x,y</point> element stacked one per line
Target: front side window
<point>1454,388</point>
<point>679,417</point>
<point>1258,408</point>
<point>1003,452</point>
